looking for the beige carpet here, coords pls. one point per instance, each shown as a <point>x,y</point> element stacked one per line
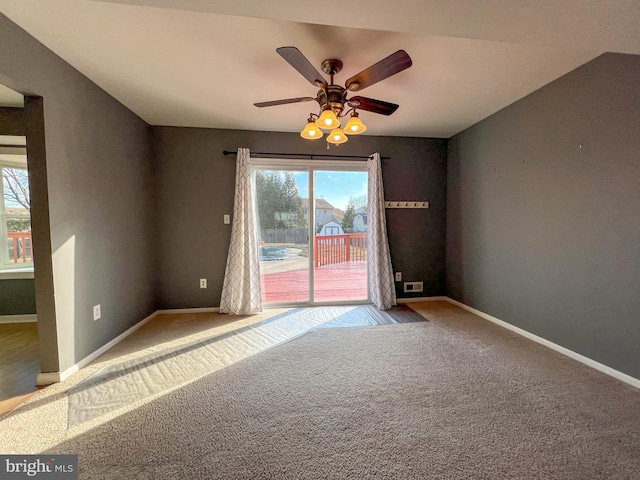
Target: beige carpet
<point>124,383</point>
<point>455,397</point>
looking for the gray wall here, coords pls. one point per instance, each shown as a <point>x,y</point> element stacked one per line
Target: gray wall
<point>544,234</point>
<point>100,200</point>
<point>194,189</point>
<point>17,297</point>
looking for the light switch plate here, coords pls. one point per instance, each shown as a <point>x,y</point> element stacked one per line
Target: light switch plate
<point>227,219</point>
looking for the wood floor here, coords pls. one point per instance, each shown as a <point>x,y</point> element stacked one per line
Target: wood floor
<point>19,363</point>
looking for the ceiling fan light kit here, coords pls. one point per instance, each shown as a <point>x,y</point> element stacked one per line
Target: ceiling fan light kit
<point>332,99</point>
<point>328,119</point>
<point>337,136</point>
<point>311,131</point>
<point>354,125</point>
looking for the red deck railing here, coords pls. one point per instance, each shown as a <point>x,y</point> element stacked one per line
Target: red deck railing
<point>21,247</point>
<point>333,249</point>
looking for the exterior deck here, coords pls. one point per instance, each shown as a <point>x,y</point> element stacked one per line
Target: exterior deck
<point>346,281</point>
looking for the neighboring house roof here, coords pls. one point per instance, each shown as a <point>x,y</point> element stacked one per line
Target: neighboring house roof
<point>338,215</point>
<point>320,203</point>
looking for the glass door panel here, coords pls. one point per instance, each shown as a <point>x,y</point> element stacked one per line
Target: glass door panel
<point>283,229</point>
<point>340,233</point>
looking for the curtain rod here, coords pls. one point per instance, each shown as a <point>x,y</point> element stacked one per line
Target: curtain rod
<point>310,156</point>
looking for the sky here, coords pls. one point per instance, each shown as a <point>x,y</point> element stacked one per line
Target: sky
<point>335,187</point>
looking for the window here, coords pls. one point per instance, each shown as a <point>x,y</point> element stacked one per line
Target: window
<point>16,248</point>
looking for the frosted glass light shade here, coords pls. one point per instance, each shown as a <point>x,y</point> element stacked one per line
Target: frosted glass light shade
<point>311,131</point>
<point>337,137</point>
<point>354,126</point>
<point>328,120</point>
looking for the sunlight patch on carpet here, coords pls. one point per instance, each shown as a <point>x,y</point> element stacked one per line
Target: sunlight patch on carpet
<point>120,385</point>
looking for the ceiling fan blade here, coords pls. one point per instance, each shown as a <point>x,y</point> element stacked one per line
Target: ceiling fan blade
<point>373,105</point>
<point>284,102</point>
<point>394,63</point>
<point>298,61</point>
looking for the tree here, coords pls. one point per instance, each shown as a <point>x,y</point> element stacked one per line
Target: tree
<point>350,212</point>
<point>18,224</point>
<point>15,185</point>
<point>279,203</point>
<point>349,216</point>
<point>358,201</point>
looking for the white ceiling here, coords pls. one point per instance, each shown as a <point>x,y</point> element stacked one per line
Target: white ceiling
<point>203,63</point>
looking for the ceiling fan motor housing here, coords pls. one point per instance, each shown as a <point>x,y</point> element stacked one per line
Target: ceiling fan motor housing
<point>334,96</point>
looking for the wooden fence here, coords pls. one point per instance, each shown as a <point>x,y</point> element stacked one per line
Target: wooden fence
<point>333,249</point>
<point>285,235</point>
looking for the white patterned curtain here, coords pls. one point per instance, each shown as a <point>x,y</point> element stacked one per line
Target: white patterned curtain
<point>381,283</point>
<point>241,293</point>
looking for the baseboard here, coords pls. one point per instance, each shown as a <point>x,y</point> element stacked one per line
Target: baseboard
<point>47,378</point>
<point>420,299</point>
<point>188,310</point>
<point>623,377</point>
<point>18,318</point>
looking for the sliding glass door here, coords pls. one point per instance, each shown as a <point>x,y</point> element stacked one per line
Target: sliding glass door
<point>312,225</point>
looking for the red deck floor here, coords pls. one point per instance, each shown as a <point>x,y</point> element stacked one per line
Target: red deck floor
<point>339,282</point>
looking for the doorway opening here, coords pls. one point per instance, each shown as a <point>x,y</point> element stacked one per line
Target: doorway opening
<point>20,364</point>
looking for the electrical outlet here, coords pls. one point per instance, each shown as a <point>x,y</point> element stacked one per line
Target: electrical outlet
<point>97,314</point>
<point>398,276</point>
<point>203,283</point>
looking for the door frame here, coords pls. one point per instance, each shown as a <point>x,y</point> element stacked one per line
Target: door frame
<point>311,166</point>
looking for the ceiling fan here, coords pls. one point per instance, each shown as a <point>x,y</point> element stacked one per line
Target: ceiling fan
<point>333,100</point>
